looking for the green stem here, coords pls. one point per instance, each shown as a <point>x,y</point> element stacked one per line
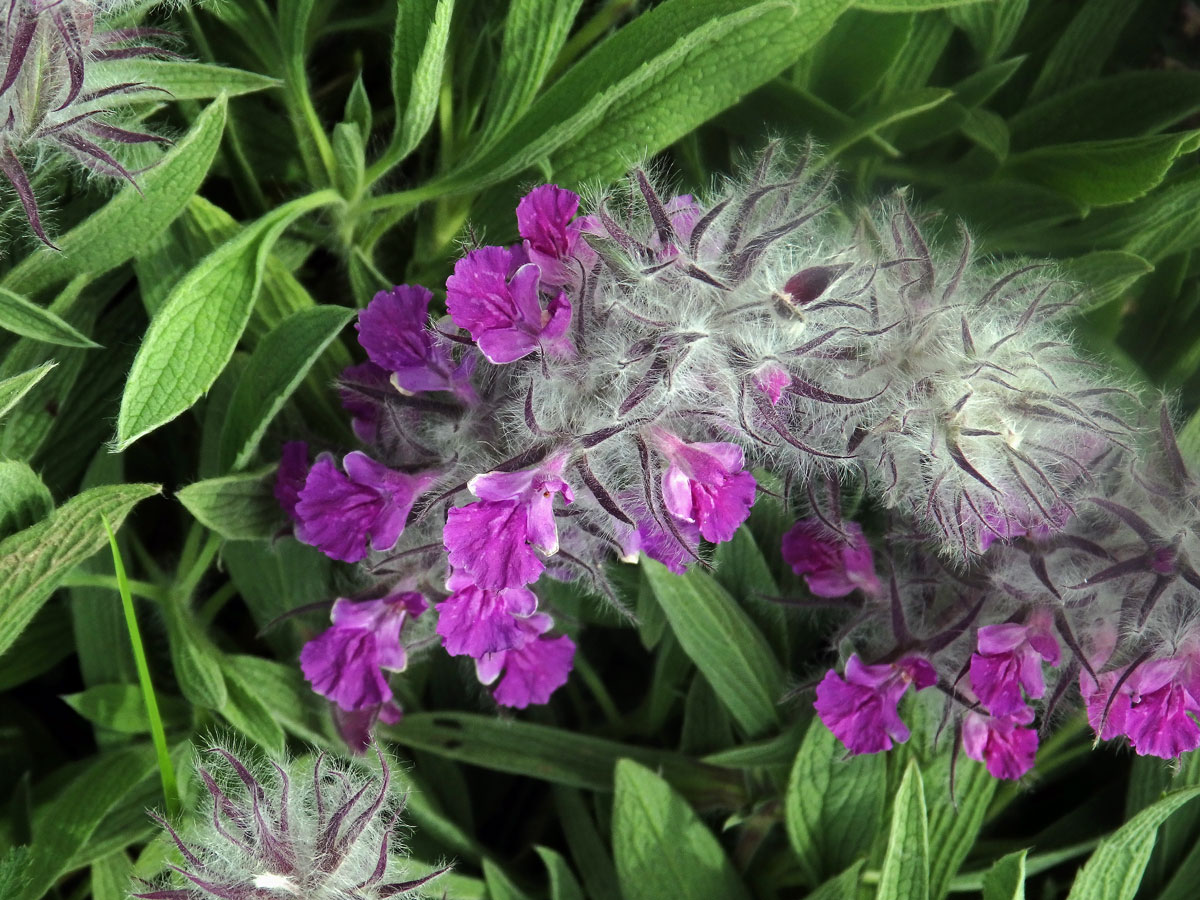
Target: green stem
<point>185,585</point>
<point>315,147</point>
<point>213,604</point>
<point>144,589</point>
<point>599,692</point>
<point>166,770</point>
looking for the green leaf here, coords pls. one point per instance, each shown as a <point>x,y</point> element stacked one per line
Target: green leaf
<point>282,689</point>
<point>418,58</point>
<point>358,109</point>
<point>742,570</point>
<point>247,713</point>
<point>1127,104</point>
<point>588,849</point>
<point>1114,871</point>
<point>195,333</point>
<point>121,708</point>
<point>990,27</point>
<point>898,108</point>
<point>988,130</point>
<point>185,80</point>
<point>906,861</point>
<point>834,806</point>
<point>1003,213</point>
<point>41,646</point>
<point>1105,275</point>
<point>1103,173</point>
<point>554,754</point>
<point>1083,46</point>
<point>197,663</point>
<point>14,866</point>
<point>895,6</point>
<point>280,363</point>
<point>499,885</point>
<point>1006,879</point>
<point>238,507</point>
<point>66,823</point>
<point>661,847</point>
<point>954,823</point>
<point>111,876</point>
<point>851,61</point>
<point>276,577</point>
<point>534,33</point>
<point>563,885</point>
<point>14,388</point>
<point>840,887</point>
<point>117,231</point>
<point>721,640</point>
<point>670,69</point>
<point>24,499</point>
<point>22,317</point>
<point>35,560</point>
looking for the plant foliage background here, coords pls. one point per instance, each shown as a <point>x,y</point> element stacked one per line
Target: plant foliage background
<point>323,151</point>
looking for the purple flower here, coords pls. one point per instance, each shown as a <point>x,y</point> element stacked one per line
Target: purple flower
<point>1159,721</point>
<point>860,708</point>
<point>1027,521</point>
<point>493,539</point>
<point>1153,706</point>
<point>534,670</point>
<point>1009,658</point>
<point>364,409</point>
<point>705,483</point>
<point>1001,743</point>
<point>832,566</point>
<point>772,379</point>
<point>474,622</point>
<point>343,663</point>
<point>291,475</point>
<point>392,329</point>
<point>551,239</point>
<point>340,514</point>
<point>494,295</point>
<point>648,536</point>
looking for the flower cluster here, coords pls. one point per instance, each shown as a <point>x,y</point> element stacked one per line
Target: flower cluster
<point>58,93</point>
<point>317,830</point>
<point>602,389</point>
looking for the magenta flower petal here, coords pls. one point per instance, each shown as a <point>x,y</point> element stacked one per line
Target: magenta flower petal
<point>861,707</point>
<point>533,488</point>
<point>832,566</point>
<point>366,411</point>
<point>384,618</point>
<point>649,537</point>
<point>704,483</point>
<point>1001,743</point>
<point>291,475</point>
<point>551,238</point>
<point>535,671</point>
<point>475,622</point>
<point>1010,658</point>
<point>487,540</point>
<point>341,664</point>
<point>1160,722</point>
<point>495,295</point>
<point>394,331</point>
<point>1096,697</point>
<point>340,514</point>
<point>772,379</point>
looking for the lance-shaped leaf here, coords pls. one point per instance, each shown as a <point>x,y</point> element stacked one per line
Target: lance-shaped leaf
<point>14,388</point>
<point>35,560</point>
<point>197,329</point>
<point>279,364</point>
<point>238,507</point>
<point>27,319</point>
<point>118,230</point>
